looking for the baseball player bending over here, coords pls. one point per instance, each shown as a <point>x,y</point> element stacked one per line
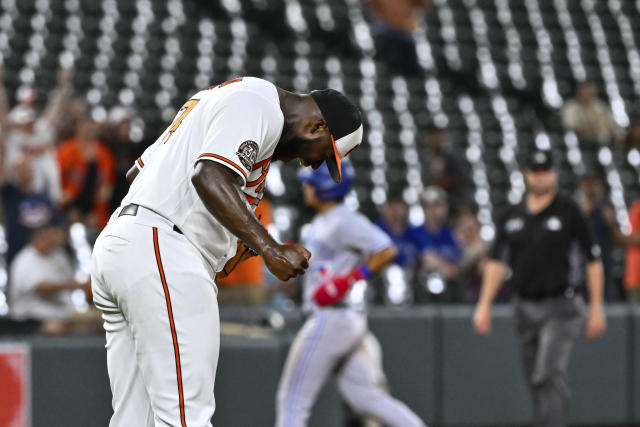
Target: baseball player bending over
<point>346,248</point>
<point>191,198</point>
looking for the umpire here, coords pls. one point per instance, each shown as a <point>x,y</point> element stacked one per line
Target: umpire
<point>534,240</point>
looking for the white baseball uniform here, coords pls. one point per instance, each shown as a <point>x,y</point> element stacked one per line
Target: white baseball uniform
<point>332,340</point>
<point>153,273</point>
<point>30,268</point>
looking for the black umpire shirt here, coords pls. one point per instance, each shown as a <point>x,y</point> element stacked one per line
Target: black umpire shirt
<point>537,246</point>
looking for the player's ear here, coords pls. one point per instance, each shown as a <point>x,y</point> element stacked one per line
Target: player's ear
<point>320,125</point>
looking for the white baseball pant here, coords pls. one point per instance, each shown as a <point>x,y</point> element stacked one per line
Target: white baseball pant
<point>161,320</point>
<point>331,343</point>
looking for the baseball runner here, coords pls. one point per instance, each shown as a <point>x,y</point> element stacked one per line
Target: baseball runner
<point>190,202</point>
<point>346,248</point>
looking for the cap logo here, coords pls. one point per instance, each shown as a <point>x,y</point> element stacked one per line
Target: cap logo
<point>349,142</point>
<point>539,157</point>
<point>248,153</point>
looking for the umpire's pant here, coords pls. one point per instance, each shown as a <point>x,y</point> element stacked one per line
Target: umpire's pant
<point>546,331</point>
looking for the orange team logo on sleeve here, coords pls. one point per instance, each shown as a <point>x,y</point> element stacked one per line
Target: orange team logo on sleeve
<point>259,182</point>
<point>186,109</point>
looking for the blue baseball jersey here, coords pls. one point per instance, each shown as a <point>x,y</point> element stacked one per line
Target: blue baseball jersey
<point>407,243</point>
<point>442,242</point>
<point>339,240</point>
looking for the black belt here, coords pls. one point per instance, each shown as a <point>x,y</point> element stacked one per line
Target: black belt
<point>132,210</point>
<point>546,295</point>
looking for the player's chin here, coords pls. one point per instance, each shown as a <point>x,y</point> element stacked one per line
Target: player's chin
<point>314,166</point>
<point>283,159</point>
<point>307,164</point>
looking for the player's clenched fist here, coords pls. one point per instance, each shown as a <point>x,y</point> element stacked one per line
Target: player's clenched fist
<point>287,261</point>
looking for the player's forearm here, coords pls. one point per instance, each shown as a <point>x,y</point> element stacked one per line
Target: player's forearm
<point>491,282</point>
<point>377,261</point>
<point>447,269</point>
<point>4,107</point>
<point>218,190</point>
<point>333,290</point>
<point>632,239</point>
<point>619,237</point>
<point>595,283</point>
<point>3,141</point>
<point>56,101</point>
<point>49,288</point>
<point>52,112</point>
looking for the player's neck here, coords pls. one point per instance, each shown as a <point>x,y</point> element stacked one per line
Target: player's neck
<point>289,103</point>
<point>42,247</point>
<point>537,202</point>
<point>286,148</point>
<point>325,206</point>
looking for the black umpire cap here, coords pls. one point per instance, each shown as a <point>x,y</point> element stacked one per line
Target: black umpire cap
<point>345,126</point>
<point>540,160</point>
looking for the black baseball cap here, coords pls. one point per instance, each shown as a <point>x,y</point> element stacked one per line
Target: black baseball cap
<point>345,125</point>
<point>51,219</point>
<point>540,160</point>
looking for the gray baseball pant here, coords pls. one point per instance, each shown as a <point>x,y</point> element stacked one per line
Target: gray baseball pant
<point>330,345</point>
<point>546,331</point>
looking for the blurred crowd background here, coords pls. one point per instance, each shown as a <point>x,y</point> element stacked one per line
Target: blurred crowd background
<point>454,93</point>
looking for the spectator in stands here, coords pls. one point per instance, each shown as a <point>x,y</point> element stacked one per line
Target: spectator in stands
<point>596,209</point>
<point>42,278</point>
<point>394,217</point>
<point>118,139</point>
<point>632,140</point>
<point>88,175</point>
<point>474,257</point>
<point>442,167</point>
<point>246,285</point>
<point>395,21</point>
<point>119,125</point>
<point>589,117</point>
<point>632,262</point>
<point>24,209</point>
<point>441,253</point>
<point>75,109</point>
<point>35,135</point>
